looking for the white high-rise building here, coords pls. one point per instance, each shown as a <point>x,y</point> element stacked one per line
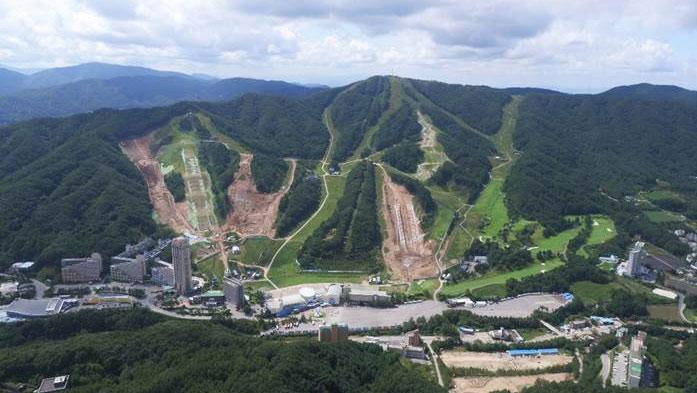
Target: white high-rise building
<point>636,256</point>
<point>181,261</point>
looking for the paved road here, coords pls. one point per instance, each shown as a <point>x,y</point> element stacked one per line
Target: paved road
<point>434,358</point>
<point>681,307</point>
<point>40,288</point>
<point>605,370</point>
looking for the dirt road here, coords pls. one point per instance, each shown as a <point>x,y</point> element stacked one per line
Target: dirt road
<point>407,253</point>
<point>252,212</point>
<point>138,151</point>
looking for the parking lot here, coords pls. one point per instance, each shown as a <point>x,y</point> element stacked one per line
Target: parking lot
<point>521,307</point>
<point>619,369</point>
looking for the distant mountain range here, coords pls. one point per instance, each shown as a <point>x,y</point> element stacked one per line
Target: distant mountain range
<point>87,87</point>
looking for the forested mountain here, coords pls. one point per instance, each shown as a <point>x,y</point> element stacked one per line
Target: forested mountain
<point>351,237</point>
<point>66,189</point>
<point>62,75</point>
<point>10,81</point>
<point>575,148</point>
<point>133,91</point>
<point>649,92</point>
<point>576,154</point>
<point>137,351</point>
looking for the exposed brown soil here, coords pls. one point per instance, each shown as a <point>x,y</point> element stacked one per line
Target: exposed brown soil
<point>253,212</point>
<point>512,384</point>
<point>407,253</point>
<point>501,361</point>
<point>138,151</point>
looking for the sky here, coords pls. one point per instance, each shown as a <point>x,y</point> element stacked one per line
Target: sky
<point>575,46</point>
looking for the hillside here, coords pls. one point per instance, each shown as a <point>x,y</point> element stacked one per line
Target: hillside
<point>324,174</point>
<point>577,147</point>
<point>159,355</point>
<point>649,92</point>
<point>10,81</point>
<point>70,190</point>
<point>132,91</point>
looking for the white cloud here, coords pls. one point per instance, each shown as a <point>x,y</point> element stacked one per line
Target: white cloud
<point>489,41</point>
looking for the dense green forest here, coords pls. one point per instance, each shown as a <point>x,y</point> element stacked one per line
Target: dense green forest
<point>422,195</point>
<point>350,238</point>
<point>137,351</point>
<point>67,189</point>
<point>269,172</point>
<point>279,127</point>
<point>478,106</point>
<point>175,185</point>
<point>301,201</point>
<point>581,151</point>
<point>221,165</point>
<point>402,124</point>
<point>406,156</point>
<point>354,111</point>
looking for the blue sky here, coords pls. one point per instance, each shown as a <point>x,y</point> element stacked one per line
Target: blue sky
<point>580,46</point>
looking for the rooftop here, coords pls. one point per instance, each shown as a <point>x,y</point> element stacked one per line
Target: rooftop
<point>54,384</point>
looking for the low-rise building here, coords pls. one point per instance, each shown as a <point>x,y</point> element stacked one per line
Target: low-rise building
<point>333,333</point>
<point>54,384</point>
<point>333,295</point>
<point>162,275</point>
<point>636,359</point>
<point>211,299</point>
<point>22,267</point>
<point>127,269</point>
<point>77,270</point>
<point>38,308</point>
<point>368,297</point>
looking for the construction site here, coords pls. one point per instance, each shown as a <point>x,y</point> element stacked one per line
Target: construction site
<point>253,213</point>
<point>168,213</point>
<point>495,361</point>
<point>407,253</point>
<point>201,213</point>
<point>511,384</point>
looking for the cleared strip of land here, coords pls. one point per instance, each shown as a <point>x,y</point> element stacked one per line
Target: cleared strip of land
<point>253,213</point>
<point>138,151</point>
<point>407,253</point>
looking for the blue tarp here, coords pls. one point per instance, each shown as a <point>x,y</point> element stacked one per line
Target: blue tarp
<point>533,352</point>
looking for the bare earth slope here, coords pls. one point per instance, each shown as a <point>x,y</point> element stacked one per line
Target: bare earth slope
<point>138,151</point>
<point>253,212</point>
<point>406,251</point>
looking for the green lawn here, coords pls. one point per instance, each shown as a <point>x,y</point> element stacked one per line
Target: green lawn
<point>691,314</point>
<point>592,293</point>
<point>285,271</point>
<point>603,230</point>
<point>256,285</point>
<point>460,288</point>
<point>423,286</point>
<point>491,207</point>
<point>257,250</point>
<point>666,312</point>
<point>556,243</point>
<point>490,291</point>
<point>212,266</point>
<point>661,216</point>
